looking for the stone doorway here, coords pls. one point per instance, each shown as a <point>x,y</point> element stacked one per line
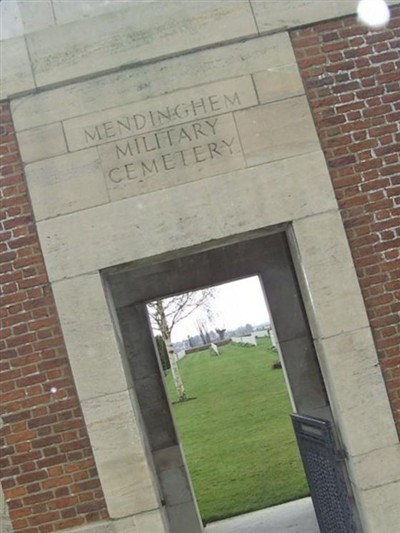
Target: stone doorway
<point>130,287</point>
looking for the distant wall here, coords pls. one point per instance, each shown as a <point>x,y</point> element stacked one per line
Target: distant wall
<point>204,347</point>
<point>261,333</point>
<point>246,339</point>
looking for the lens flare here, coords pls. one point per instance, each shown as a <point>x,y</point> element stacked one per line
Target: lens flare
<point>373,13</point>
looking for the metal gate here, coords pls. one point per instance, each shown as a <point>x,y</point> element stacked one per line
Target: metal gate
<point>322,464</point>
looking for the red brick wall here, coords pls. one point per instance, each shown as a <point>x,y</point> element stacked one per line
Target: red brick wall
<point>47,467</point>
<point>352,80</point>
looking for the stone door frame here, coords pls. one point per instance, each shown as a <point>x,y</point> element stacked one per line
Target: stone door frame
<point>269,258</point>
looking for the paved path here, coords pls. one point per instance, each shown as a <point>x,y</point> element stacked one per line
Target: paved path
<point>292,517</point>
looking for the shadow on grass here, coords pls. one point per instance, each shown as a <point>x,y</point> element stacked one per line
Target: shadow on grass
<point>180,402</point>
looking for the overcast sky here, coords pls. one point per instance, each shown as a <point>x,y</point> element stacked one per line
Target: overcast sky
<point>236,304</point>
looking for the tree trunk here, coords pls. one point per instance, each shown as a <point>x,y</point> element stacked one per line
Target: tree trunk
<point>180,389</point>
<point>166,335</point>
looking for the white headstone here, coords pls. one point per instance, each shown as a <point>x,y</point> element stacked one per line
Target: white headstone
<point>214,348</point>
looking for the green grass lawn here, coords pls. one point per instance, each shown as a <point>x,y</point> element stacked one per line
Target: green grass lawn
<point>237,434</point>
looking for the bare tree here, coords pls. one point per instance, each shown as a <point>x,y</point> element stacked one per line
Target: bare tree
<point>165,314</point>
<point>220,333</point>
<point>216,317</point>
<point>202,329</point>
<point>190,341</point>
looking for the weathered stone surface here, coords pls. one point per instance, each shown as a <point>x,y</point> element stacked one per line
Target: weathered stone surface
<point>122,37</point>
<point>186,215</point>
<point>5,522</point>
<point>276,131</point>
<point>377,468</point>
<point>42,142</point>
<point>350,367</point>
<point>118,447</point>
<point>151,522</point>
<point>278,83</point>
<point>66,183</point>
<point>85,9</point>
<point>11,22</point>
<point>37,15</point>
<point>381,508</point>
<point>149,81</point>
<point>16,74</point>
<point>89,336</point>
<point>335,303</point>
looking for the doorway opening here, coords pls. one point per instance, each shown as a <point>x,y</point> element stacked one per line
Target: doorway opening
<point>225,382</point>
<point>131,287</point>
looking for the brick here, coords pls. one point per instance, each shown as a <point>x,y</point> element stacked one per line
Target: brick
<point>43,518</point>
<point>63,481</point>
<point>14,493</point>
<point>385,56</point>
<point>19,513</point>
<point>68,513</point>
<point>31,477</point>
<point>63,491</point>
<point>51,461</point>
<point>89,507</point>
<point>308,40</point>
<point>69,523</point>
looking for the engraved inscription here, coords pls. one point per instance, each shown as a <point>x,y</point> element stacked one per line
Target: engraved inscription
<point>164,112</point>
<point>160,118</point>
<point>171,156</point>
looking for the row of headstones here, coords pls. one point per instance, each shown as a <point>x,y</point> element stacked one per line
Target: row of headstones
<point>250,340</point>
